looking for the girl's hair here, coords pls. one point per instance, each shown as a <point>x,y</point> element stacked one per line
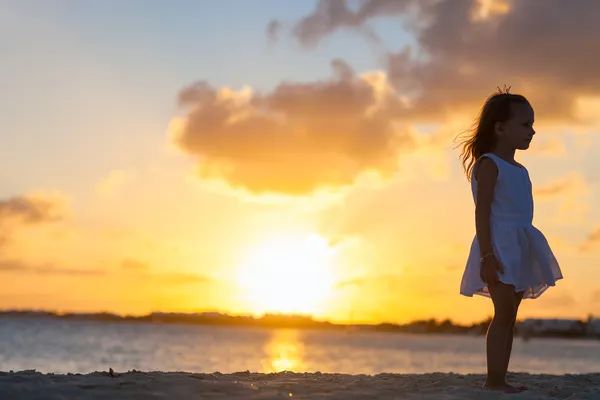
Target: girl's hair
<point>481,138</point>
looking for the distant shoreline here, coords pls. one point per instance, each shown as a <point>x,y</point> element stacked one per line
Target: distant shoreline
<point>275,321</point>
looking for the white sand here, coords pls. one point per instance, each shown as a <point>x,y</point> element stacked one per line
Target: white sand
<point>180,385</point>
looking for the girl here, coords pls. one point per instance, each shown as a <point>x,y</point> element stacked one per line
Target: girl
<point>509,259</point>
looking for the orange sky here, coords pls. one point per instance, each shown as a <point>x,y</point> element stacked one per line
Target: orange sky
<point>334,191</point>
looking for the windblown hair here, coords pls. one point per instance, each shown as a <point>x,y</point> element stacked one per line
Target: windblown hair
<point>481,138</point>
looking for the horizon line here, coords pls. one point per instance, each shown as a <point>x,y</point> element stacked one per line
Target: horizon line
<point>59,313</point>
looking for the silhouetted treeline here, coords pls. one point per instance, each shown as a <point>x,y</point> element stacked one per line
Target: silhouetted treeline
<point>446,326</point>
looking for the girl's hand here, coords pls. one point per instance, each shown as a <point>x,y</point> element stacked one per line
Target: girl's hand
<point>490,267</point>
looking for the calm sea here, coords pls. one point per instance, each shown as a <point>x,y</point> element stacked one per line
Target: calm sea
<point>62,346</point>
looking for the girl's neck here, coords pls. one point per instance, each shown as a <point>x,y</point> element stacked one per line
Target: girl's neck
<point>506,153</point>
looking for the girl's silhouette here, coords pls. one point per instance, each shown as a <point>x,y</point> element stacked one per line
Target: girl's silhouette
<point>509,259</point>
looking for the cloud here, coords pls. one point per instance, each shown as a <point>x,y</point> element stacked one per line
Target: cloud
<point>28,210</point>
<point>564,300</point>
<point>552,147</point>
<point>31,209</point>
<point>181,278</point>
<point>545,49</point>
<point>131,264</point>
<point>136,268</point>
<point>273,30</point>
<point>174,278</point>
<point>350,283</point>
<point>596,293</point>
<point>592,241</point>
<point>46,269</point>
<point>142,270</point>
<point>331,15</point>
<point>573,184</point>
<point>371,294</point>
<point>571,192</point>
<point>69,271</point>
<point>297,139</point>
<point>114,181</point>
<point>12,266</point>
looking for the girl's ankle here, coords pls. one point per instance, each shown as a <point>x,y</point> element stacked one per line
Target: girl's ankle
<point>495,380</point>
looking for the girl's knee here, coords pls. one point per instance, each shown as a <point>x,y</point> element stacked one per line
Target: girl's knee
<point>506,317</point>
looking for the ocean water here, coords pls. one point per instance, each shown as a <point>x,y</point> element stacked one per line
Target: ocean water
<point>61,346</point>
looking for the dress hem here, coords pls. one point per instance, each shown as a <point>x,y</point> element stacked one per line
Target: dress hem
<point>482,293</point>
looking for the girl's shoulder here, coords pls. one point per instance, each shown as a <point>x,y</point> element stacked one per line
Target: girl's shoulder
<point>488,159</point>
<point>486,166</point>
<point>500,161</point>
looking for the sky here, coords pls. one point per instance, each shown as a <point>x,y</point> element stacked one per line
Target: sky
<point>270,156</point>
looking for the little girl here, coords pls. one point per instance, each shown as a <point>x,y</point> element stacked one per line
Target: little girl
<point>510,259</point>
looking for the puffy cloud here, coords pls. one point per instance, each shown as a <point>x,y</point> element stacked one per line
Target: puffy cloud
<point>26,210</point>
<point>545,49</point>
<point>298,138</point>
<point>331,15</point>
<point>31,209</point>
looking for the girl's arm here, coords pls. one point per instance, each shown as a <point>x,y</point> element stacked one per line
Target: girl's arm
<point>486,175</point>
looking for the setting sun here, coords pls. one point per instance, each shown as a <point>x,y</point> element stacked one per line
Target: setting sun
<point>288,274</point>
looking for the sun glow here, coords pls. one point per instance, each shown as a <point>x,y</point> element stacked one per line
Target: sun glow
<point>284,352</point>
<point>289,275</point>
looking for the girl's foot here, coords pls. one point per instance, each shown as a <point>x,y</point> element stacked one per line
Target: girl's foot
<point>504,387</point>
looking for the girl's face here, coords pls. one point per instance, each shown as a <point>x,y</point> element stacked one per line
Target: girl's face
<point>518,131</point>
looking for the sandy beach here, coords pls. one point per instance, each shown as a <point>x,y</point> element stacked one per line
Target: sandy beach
<point>27,385</point>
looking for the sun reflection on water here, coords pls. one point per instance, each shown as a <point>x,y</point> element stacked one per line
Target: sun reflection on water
<point>284,352</point>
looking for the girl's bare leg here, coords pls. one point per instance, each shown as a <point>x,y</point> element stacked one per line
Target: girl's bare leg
<point>500,335</point>
<point>509,343</point>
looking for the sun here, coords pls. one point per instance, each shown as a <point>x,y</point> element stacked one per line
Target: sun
<point>289,275</point>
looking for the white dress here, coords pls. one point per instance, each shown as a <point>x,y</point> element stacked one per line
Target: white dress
<point>521,249</point>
